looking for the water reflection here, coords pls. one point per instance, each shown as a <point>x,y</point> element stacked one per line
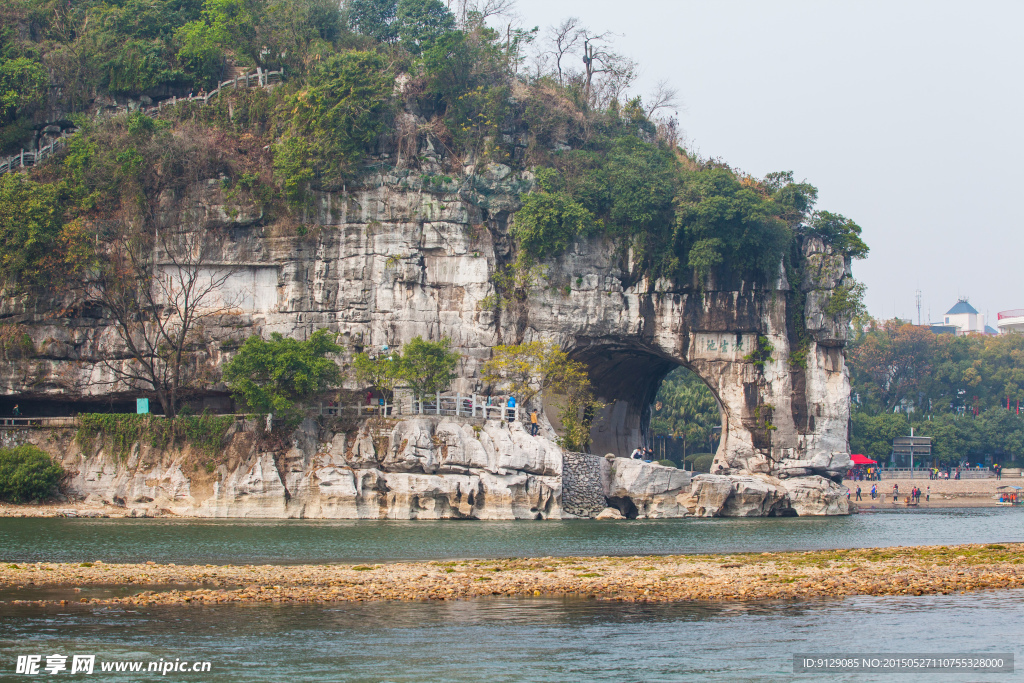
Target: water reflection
<point>519,640</point>
<point>301,541</point>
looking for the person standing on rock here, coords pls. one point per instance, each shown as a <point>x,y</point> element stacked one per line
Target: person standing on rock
<point>895,493</point>
<point>858,493</point>
<point>928,494</point>
<point>533,422</point>
<point>874,491</point>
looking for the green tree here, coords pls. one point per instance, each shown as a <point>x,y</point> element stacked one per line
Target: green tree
<point>27,473</point>
<point>382,372</point>
<point>730,222</point>
<point>23,83</point>
<point>895,359</point>
<point>524,370</point>
<point>373,18</point>
<point>686,409</point>
<point>273,376</point>
<point>840,232</point>
<point>429,367</point>
<point>872,435</point>
<point>421,22</point>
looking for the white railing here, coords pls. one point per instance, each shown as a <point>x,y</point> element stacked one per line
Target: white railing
<point>367,410</point>
<point>466,405</point>
<point>450,404</point>
<point>25,159</point>
<point>258,79</point>
<point>24,422</point>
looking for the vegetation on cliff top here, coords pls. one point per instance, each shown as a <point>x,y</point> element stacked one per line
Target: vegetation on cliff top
<point>608,162</point>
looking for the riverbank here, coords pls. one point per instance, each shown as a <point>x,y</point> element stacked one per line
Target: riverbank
<point>747,576</point>
<point>945,493</point>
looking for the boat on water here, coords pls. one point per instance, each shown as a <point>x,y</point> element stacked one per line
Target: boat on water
<point>1012,496</point>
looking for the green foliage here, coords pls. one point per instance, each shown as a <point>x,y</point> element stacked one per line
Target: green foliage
<point>374,18</point>
<point>729,222</point>
<point>421,23</point>
<point>382,372</point>
<point>429,367</point>
<point>685,409</point>
<point>334,120</point>
<point>23,83</point>
<point>31,230</point>
<point>952,388</point>
<point>762,353</point>
<point>27,473</point>
<point>205,431</point>
<point>525,370</point>
<point>846,300</point>
<point>273,376</point>
<point>549,222</point>
<point>701,462</point>
<point>840,232</point>
<point>121,431</point>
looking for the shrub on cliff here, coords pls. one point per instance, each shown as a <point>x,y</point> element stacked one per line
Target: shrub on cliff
<point>701,462</point>
<point>344,109</point>
<point>27,473</point>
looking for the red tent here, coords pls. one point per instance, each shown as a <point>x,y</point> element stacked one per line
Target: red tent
<point>859,459</point>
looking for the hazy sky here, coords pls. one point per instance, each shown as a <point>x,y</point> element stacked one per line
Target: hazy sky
<point>906,115</point>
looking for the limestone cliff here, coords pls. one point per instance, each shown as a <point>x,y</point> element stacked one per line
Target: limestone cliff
<point>401,256</point>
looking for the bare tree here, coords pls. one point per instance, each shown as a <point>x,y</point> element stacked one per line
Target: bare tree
<point>563,40</point>
<point>479,11</point>
<point>616,71</point>
<point>160,288</point>
<point>663,97</point>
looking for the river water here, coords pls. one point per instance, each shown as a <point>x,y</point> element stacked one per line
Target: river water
<point>538,639</point>
<point>517,639</point>
<point>322,541</point>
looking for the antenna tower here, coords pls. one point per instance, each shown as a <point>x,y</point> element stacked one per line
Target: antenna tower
<point>917,297</point>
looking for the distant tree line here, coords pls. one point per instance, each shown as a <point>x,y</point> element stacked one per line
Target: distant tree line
<point>963,391</point>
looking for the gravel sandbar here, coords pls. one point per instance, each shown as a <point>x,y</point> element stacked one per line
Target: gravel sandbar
<point>743,576</point>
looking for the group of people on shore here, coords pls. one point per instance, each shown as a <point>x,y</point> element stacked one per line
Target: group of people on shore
<point>641,453</point>
<point>864,474</point>
<point>913,499</point>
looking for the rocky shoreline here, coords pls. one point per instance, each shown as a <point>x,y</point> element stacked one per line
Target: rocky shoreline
<point>709,578</point>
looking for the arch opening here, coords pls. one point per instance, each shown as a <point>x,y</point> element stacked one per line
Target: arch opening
<point>686,421</point>
<point>628,381</point>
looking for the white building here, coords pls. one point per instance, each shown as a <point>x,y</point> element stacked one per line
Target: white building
<point>1011,321</point>
<point>964,318</point>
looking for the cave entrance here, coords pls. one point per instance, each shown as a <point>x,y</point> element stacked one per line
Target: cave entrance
<point>628,381</point>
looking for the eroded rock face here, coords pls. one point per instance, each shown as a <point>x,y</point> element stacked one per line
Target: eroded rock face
<point>646,490</point>
<point>401,256</point>
<point>764,496</point>
<point>425,469</point>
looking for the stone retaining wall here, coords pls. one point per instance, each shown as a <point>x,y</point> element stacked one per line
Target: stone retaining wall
<point>582,487</point>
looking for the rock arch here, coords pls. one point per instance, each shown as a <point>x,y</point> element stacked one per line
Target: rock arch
<point>779,375</point>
